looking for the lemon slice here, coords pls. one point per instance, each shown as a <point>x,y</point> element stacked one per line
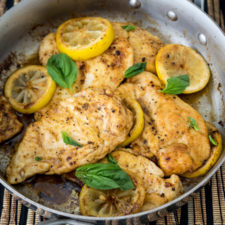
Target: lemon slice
<point>29,89</point>
<point>138,127</point>
<point>175,60</point>
<point>84,38</point>
<point>107,203</point>
<point>214,156</point>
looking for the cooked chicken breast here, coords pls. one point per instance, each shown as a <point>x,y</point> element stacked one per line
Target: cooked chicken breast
<point>59,95</point>
<point>94,118</point>
<point>108,69</point>
<point>168,134</point>
<point>9,124</point>
<point>104,70</point>
<point>47,48</point>
<point>144,44</point>
<point>151,176</point>
<point>141,146</point>
<point>119,31</point>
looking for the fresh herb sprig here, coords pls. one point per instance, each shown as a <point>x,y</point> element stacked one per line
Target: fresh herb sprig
<point>62,70</point>
<point>135,70</point>
<point>193,123</point>
<point>176,85</point>
<point>128,27</point>
<point>68,140</point>
<point>105,176</point>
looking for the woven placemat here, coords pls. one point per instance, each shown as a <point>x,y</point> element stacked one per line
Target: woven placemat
<point>206,207</point>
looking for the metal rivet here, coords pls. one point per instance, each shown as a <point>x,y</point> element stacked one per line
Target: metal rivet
<point>172,15</point>
<point>202,39</point>
<point>135,3</point>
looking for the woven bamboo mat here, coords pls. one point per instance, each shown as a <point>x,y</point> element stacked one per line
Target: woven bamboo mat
<point>207,207</point>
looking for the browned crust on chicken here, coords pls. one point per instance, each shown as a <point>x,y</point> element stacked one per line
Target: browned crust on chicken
<point>95,118</point>
<point>144,44</point>
<point>107,69</point>
<point>167,134</point>
<point>9,124</point>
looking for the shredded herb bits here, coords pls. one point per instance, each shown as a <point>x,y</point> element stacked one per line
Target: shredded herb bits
<point>37,158</point>
<point>128,27</point>
<point>135,70</point>
<point>193,123</point>
<point>212,140</point>
<point>68,140</point>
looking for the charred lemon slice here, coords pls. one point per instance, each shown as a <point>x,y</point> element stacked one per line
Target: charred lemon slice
<point>109,203</point>
<point>215,153</point>
<point>138,127</point>
<point>84,38</point>
<point>175,60</point>
<point>29,89</point>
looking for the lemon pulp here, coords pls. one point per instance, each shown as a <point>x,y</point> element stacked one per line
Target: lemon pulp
<point>29,89</point>
<point>175,60</point>
<point>84,38</point>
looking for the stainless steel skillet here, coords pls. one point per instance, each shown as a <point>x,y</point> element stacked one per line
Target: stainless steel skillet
<point>175,21</point>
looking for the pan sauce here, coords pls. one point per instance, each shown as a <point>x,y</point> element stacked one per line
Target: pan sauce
<point>58,191</point>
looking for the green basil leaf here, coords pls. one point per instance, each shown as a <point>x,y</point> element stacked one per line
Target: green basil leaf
<point>104,176</point>
<point>100,182</point>
<point>128,27</point>
<point>134,70</point>
<point>212,140</point>
<point>111,159</point>
<point>37,158</point>
<point>193,123</point>
<point>176,85</point>
<point>68,140</point>
<point>62,70</point>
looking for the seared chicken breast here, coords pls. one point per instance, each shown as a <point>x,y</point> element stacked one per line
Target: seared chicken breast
<point>151,176</point>
<point>108,69</point>
<point>59,95</point>
<point>168,134</point>
<point>94,118</point>
<point>104,70</point>
<point>47,48</point>
<point>144,44</point>
<point>9,124</point>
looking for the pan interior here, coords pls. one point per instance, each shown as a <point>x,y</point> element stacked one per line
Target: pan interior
<point>19,46</point>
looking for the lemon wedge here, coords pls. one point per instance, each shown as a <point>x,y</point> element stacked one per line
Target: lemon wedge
<point>107,203</point>
<point>175,60</point>
<point>214,156</point>
<point>84,38</point>
<point>29,89</point>
<point>138,127</point>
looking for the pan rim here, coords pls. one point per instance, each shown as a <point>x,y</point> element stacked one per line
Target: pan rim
<point>88,218</point>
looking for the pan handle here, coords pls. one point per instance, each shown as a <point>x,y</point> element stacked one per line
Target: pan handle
<point>200,4</point>
<point>65,222</point>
